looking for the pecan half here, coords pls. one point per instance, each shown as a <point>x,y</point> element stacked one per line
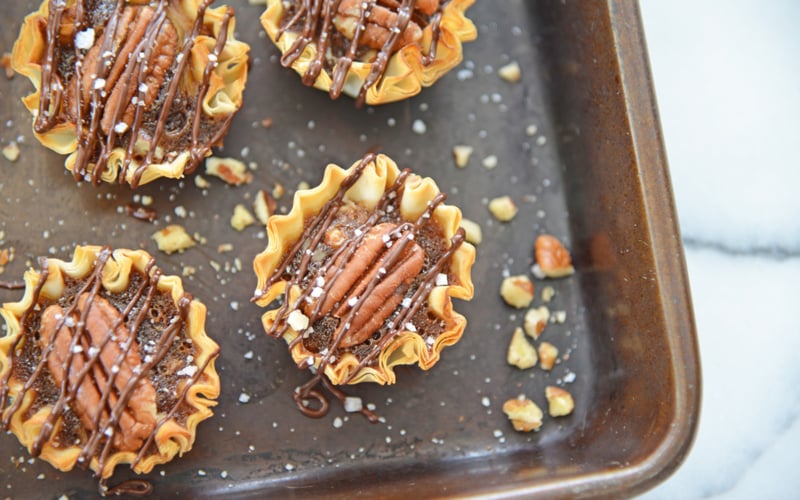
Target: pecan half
<point>121,82</point>
<point>381,21</point>
<point>372,261</point>
<point>138,421</point>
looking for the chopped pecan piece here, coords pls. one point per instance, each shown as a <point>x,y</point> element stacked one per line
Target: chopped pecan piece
<point>137,421</point>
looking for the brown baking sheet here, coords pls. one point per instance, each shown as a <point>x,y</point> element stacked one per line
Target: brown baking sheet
<point>578,147</point>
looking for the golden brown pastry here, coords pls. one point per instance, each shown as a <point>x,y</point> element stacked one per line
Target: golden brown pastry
<point>365,266</point>
<point>131,90</point>
<point>105,361</point>
<point>376,51</point>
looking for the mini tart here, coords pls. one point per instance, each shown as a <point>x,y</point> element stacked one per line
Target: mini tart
<point>118,335</point>
<point>390,60</point>
<point>131,90</point>
<point>365,265</point>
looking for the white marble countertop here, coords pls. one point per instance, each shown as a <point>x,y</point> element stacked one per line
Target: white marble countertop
<point>727,78</point>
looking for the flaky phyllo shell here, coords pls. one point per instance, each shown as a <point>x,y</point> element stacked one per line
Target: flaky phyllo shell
<point>388,239</point>
<point>415,57</point>
<point>131,90</point>
<point>105,331</point>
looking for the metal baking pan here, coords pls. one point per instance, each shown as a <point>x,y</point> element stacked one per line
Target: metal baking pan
<point>593,173</point>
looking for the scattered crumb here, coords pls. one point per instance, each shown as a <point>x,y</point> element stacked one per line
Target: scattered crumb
<point>523,413</point>
<point>489,162</point>
<point>188,271</point>
<point>11,151</point>
<point>547,355</point>
<point>548,293</point>
<point>5,62</point>
<point>419,127</point>
<point>503,208</point>
<point>461,154</point>
<point>473,231</point>
<point>173,238</point>
<point>241,217</point>
<point>520,352</point>
<point>264,205</point>
<point>560,402</point>
<point>230,170</point>
<point>278,191</point>
<point>553,260</point>
<point>511,72</point>
<point>536,320</point>
<point>559,317</point>
<point>266,122</point>
<point>302,185</point>
<point>224,247</point>
<point>517,291</point>
<point>201,182</point>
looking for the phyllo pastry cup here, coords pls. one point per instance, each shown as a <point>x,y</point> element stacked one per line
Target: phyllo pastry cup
<point>377,51</point>
<point>105,361</point>
<point>131,90</point>
<point>364,267</point>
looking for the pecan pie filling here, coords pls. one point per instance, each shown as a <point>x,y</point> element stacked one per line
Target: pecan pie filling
<point>97,376</point>
<point>135,80</point>
<point>357,280</point>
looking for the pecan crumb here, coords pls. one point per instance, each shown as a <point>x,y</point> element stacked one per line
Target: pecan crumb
<point>524,414</point>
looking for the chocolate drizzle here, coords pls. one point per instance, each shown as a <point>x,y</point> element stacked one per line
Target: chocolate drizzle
<point>295,269</point>
<point>314,21</point>
<point>99,112</point>
<point>97,441</point>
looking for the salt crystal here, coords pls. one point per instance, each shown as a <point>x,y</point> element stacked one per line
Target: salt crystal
<point>352,404</point>
<point>337,423</point>
<point>419,127</point>
<point>244,398</point>
<point>84,39</point>
<point>187,371</point>
<point>410,327</point>
<point>297,320</point>
<point>121,127</point>
<point>77,349</point>
<point>537,272</point>
<point>441,279</point>
<point>317,292</point>
<point>248,355</point>
<point>406,303</point>
<point>99,83</point>
<point>352,301</point>
<point>201,473</point>
<point>486,402</point>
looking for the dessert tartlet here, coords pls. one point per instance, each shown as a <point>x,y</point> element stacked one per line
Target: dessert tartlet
<point>364,267</point>
<point>105,361</point>
<point>131,90</point>
<point>377,51</point>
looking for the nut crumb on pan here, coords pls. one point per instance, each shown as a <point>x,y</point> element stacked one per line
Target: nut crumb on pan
<point>517,291</point>
<point>547,355</point>
<point>489,162</point>
<point>559,317</point>
<point>535,321</point>
<point>503,208</point>
<point>5,62</point>
<point>264,205</point>
<point>548,293</point>
<point>241,217</point>
<point>461,154</point>
<point>230,170</point>
<point>173,238</point>
<point>559,401</point>
<point>11,151</point>
<point>524,414</point>
<point>520,352</point>
<point>201,182</point>
<point>511,72</point>
<point>553,260</point>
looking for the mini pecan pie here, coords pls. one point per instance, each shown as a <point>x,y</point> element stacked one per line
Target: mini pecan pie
<point>376,51</point>
<point>131,90</point>
<point>365,266</point>
<point>105,361</point>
